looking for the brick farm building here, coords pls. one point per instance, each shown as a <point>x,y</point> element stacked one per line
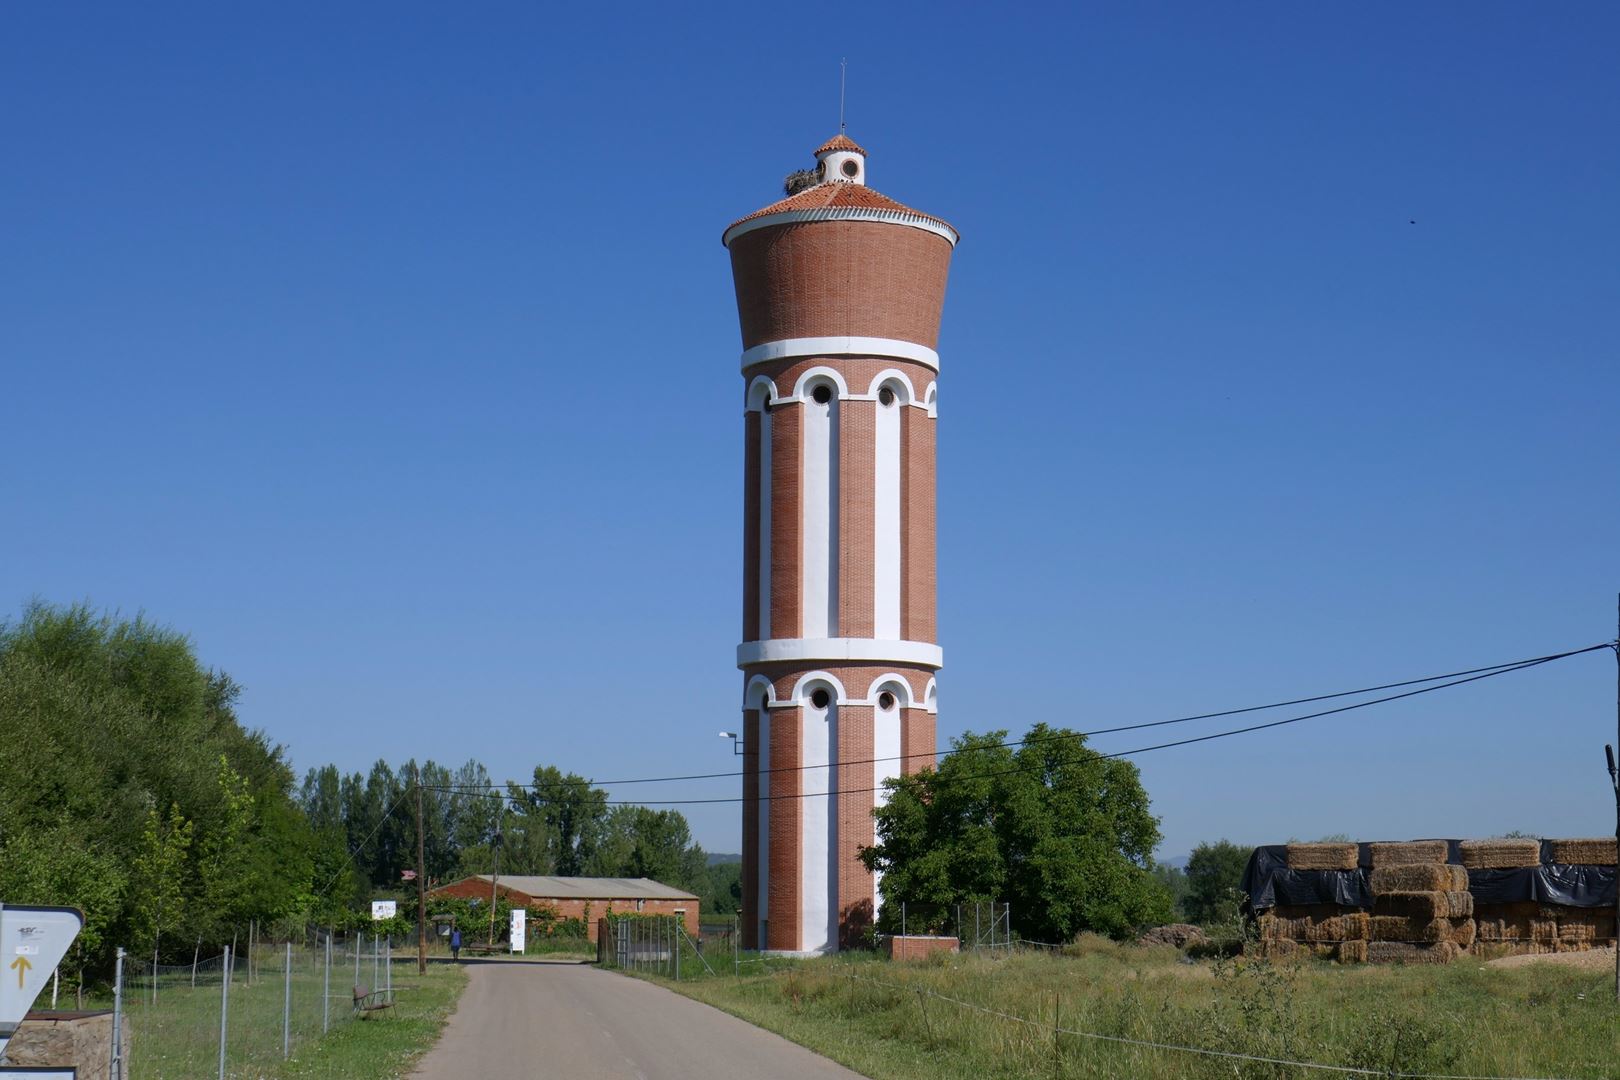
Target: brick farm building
<point>585,898</point>
<point>839,295</point>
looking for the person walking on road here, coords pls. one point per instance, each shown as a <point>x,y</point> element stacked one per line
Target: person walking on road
<point>455,945</point>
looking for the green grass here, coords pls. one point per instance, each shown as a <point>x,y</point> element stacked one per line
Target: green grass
<point>1531,1021</point>
<point>177,1037</point>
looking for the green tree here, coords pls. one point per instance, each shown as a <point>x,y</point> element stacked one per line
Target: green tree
<point>1174,880</point>
<point>723,896</point>
<point>1053,827</point>
<point>159,876</point>
<point>1214,874</point>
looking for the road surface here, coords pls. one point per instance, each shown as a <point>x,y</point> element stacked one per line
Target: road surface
<point>572,1020</point>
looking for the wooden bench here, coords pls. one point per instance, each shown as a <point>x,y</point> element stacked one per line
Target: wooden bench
<point>367,1002</point>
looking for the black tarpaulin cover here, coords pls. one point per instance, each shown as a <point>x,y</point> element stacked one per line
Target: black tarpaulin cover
<point>1267,882</point>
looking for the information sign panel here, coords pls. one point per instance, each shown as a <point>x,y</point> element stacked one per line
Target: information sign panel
<point>519,926</point>
<point>383,909</point>
<point>33,941</point>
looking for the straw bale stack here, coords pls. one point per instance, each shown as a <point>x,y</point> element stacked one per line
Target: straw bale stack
<point>1599,852</point>
<point>1401,952</point>
<point>1352,952</point>
<point>1387,928</point>
<point>1323,856</point>
<point>1418,878</point>
<point>1500,854</point>
<point>1412,851</point>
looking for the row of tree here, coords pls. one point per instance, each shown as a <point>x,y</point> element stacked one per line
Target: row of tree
<point>129,789</point>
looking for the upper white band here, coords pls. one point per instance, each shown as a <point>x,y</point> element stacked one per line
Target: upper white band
<point>888,348</point>
<point>844,213</point>
<point>920,653</point>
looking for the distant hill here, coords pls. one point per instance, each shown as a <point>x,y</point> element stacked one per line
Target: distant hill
<point>716,860</point>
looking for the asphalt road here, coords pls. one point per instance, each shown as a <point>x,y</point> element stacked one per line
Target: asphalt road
<point>571,1020</point>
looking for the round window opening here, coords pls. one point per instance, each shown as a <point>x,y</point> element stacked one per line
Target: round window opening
<point>851,169</point>
<point>822,394</point>
<point>885,701</point>
<point>820,699</point>
<point>886,396</point>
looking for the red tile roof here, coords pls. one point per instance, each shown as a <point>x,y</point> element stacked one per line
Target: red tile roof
<point>838,142</point>
<point>835,195</point>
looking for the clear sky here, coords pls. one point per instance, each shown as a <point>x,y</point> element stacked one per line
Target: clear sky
<point>390,350</point>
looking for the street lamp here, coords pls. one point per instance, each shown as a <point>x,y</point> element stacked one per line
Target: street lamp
<point>736,746</point>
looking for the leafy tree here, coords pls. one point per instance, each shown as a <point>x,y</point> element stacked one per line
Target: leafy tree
<point>723,895</point>
<point>1214,874</point>
<point>159,876</point>
<point>1055,828</point>
<point>640,842</point>
<point>557,823</point>
<point>1174,880</point>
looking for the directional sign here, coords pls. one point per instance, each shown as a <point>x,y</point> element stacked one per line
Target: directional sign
<point>33,941</point>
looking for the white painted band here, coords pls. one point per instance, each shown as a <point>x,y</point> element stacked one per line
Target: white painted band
<point>889,348</point>
<point>844,213</point>
<point>918,653</point>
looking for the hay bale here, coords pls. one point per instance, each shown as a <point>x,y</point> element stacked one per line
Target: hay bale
<point>1401,952</point>
<point>1403,928</point>
<point>1425,905</point>
<point>1500,854</point>
<point>1598,852</point>
<point>1351,926</point>
<point>1267,949</point>
<point>1411,878</point>
<point>1459,878</point>
<point>1352,952</point>
<point>1307,911</point>
<point>1463,932</point>
<point>1411,851</point>
<point>1323,856</point>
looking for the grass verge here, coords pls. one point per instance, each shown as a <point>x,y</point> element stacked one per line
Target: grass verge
<point>388,1044</point>
<point>878,1018</point>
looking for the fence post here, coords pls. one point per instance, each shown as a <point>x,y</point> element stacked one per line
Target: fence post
<point>678,935</point>
<point>116,1068</point>
<point>224,1009</point>
<point>736,958</point>
<point>1057,1027</point>
<point>388,962</point>
<point>355,941</point>
<point>194,951</point>
<point>376,949</point>
<point>286,1005</point>
<point>326,988</point>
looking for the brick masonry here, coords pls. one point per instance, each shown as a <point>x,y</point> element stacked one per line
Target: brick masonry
<point>587,910</point>
<point>838,279</point>
<point>833,278</point>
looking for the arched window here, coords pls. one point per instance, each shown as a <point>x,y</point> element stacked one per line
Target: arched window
<point>893,395</point>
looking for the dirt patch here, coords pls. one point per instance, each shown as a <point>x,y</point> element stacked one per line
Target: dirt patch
<point>1593,959</point>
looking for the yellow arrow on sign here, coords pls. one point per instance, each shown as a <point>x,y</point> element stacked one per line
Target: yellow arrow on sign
<point>22,964</point>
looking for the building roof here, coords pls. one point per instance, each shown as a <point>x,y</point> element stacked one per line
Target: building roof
<point>590,888</point>
<point>836,196</point>
<point>838,142</point>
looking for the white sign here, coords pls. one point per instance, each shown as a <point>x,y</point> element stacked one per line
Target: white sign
<point>519,925</point>
<point>41,1072</point>
<point>382,909</point>
<point>33,941</point>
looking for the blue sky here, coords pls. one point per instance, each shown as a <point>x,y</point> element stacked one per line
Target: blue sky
<point>390,351</point>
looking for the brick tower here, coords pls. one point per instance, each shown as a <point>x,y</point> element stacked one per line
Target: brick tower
<point>839,293</point>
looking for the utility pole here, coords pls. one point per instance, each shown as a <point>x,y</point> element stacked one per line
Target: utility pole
<point>495,878</point>
<point>1614,781</point>
<point>421,880</point>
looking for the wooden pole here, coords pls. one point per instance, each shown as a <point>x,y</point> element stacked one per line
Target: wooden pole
<point>421,881</point>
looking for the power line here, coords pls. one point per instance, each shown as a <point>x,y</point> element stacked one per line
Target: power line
<point>1011,743</point>
<point>1483,673</point>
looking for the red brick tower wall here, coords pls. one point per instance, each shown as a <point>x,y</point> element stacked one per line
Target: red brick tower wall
<point>836,286</point>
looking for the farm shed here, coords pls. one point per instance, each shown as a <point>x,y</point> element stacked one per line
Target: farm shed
<point>586,898</point>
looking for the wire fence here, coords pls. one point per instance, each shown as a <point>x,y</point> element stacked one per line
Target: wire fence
<point>243,1012</point>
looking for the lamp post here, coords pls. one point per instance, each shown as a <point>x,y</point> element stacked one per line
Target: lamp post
<point>736,742</point>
